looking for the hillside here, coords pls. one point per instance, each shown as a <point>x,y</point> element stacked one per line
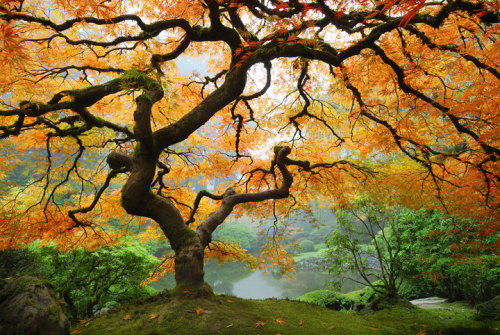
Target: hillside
<point>230,315</point>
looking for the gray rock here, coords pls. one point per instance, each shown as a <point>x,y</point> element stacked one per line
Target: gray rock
<point>28,306</point>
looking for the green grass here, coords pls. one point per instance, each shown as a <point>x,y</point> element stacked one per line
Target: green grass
<point>230,315</point>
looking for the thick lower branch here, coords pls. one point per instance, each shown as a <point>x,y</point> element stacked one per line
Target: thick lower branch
<point>231,199</point>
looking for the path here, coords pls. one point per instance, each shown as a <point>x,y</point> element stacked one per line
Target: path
<point>427,303</point>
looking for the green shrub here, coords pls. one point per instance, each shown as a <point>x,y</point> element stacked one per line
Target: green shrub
<point>307,246</point>
<point>319,246</point>
<point>447,256</point>
<point>330,299</point>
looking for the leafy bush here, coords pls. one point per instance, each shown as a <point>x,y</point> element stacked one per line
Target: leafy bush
<point>448,256</point>
<point>306,246</point>
<point>414,288</point>
<point>88,280</point>
<point>330,299</point>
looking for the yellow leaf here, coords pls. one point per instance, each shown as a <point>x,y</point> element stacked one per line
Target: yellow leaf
<point>153,316</point>
<point>230,301</point>
<point>259,324</point>
<point>200,311</point>
<point>127,317</point>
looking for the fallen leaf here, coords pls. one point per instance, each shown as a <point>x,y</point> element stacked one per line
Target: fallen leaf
<point>373,328</point>
<point>127,317</point>
<point>230,301</point>
<point>280,321</point>
<point>153,316</point>
<point>61,302</point>
<point>82,321</point>
<point>301,322</point>
<point>259,324</point>
<point>200,311</point>
<point>77,331</point>
<point>332,327</point>
<point>187,293</point>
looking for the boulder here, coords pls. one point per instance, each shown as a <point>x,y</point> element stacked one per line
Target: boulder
<point>28,306</point>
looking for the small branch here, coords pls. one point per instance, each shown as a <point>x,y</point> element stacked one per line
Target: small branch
<point>71,213</point>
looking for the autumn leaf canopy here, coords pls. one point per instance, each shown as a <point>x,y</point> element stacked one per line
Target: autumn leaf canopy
<point>395,98</point>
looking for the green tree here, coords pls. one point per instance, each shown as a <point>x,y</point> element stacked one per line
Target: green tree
<point>362,244</point>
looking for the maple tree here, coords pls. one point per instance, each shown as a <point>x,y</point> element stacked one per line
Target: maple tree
<point>302,98</point>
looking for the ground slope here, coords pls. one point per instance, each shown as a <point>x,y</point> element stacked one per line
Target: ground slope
<point>230,315</point>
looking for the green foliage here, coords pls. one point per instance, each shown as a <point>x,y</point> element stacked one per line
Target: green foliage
<point>443,255</point>
<point>366,242</point>
<point>306,246</point>
<point>320,246</point>
<point>16,261</point>
<point>489,310</point>
<point>330,299</point>
<point>446,256</point>
<point>88,280</point>
<point>239,233</point>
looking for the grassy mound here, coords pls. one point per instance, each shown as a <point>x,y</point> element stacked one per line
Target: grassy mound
<point>330,299</point>
<point>229,315</point>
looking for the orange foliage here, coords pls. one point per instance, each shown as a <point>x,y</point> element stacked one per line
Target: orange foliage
<point>401,102</point>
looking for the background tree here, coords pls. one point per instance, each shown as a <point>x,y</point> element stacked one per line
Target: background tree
<point>367,243</point>
<point>409,88</point>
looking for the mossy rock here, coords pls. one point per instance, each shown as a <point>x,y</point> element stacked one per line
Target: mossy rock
<point>363,296</point>
<point>381,302</point>
<point>28,306</point>
<point>329,299</point>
